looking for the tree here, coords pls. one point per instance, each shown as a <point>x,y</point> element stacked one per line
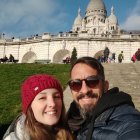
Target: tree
<point>74,55</point>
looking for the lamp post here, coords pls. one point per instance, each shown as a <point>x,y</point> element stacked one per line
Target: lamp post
<point>88,49</point>
<point>4,49</point>
<point>4,44</point>
<point>3,34</point>
<point>48,49</point>
<point>18,49</point>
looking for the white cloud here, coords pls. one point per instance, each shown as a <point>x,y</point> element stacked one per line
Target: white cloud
<point>133,21</point>
<point>29,16</point>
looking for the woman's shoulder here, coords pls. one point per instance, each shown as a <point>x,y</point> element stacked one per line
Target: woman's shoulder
<point>16,129</point>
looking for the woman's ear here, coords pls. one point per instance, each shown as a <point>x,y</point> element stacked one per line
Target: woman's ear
<point>106,86</point>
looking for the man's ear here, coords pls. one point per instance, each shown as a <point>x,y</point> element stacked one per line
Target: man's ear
<point>106,86</point>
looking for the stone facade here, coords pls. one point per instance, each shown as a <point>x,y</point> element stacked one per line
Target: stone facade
<point>89,35</point>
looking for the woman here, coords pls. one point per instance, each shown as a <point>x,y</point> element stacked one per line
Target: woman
<point>43,108</point>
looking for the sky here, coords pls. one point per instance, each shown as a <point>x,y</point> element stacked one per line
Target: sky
<point>24,18</point>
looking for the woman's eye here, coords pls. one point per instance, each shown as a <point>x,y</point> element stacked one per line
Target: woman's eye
<point>41,98</point>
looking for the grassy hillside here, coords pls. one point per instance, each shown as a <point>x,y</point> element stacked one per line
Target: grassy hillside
<point>11,77</point>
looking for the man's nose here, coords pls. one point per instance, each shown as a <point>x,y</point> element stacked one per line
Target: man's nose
<point>84,88</point>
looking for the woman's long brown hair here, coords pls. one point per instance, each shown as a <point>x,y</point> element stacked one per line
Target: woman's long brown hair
<point>38,131</point>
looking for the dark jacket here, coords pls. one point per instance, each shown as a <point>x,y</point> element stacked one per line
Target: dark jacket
<point>114,118</point>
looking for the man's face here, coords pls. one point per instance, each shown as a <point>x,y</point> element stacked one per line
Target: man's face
<point>87,96</point>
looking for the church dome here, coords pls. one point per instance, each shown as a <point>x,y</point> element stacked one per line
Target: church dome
<point>96,5</point>
<point>112,18</point>
<point>78,19</point>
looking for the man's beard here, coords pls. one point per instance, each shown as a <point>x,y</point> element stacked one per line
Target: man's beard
<point>87,109</point>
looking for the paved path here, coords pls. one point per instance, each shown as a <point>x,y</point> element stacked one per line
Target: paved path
<point>124,76</point>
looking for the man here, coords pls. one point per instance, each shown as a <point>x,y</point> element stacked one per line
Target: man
<point>96,112</point>
<point>120,57</point>
<point>106,54</point>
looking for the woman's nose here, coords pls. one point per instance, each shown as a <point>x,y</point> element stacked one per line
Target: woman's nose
<point>50,102</point>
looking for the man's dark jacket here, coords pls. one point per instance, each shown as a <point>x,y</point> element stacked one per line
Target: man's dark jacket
<point>113,118</point>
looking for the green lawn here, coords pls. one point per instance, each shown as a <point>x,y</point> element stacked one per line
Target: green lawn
<point>11,78</point>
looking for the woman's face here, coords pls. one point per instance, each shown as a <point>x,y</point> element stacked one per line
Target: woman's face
<point>47,106</point>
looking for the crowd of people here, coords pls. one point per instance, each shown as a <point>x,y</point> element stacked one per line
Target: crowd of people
<point>66,60</point>
<point>96,113</point>
<point>5,59</point>
<point>108,57</point>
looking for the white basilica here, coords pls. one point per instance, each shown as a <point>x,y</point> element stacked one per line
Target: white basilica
<point>89,35</point>
<point>96,21</point>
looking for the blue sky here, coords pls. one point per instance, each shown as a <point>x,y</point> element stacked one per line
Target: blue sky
<point>23,18</point>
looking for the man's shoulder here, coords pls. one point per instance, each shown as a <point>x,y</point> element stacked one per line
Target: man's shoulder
<point>126,112</point>
<point>120,120</point>
<point>119,116</point>
<point>114,123</point>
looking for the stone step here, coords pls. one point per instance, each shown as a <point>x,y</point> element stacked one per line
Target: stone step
<point>126,77</point>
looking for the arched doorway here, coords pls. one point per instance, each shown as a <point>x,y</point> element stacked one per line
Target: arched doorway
<point>99,54</point>
<point>29,57</point>
<point>60,55</point>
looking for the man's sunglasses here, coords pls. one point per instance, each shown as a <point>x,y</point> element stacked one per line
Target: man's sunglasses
<point>91,82</point>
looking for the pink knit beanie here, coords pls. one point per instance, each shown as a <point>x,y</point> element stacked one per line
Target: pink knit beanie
<point>35,84</point>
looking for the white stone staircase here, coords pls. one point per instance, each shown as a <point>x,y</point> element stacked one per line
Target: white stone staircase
<point>126,77</point>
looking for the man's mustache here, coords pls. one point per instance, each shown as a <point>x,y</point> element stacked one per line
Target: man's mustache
<point>88,94</point>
